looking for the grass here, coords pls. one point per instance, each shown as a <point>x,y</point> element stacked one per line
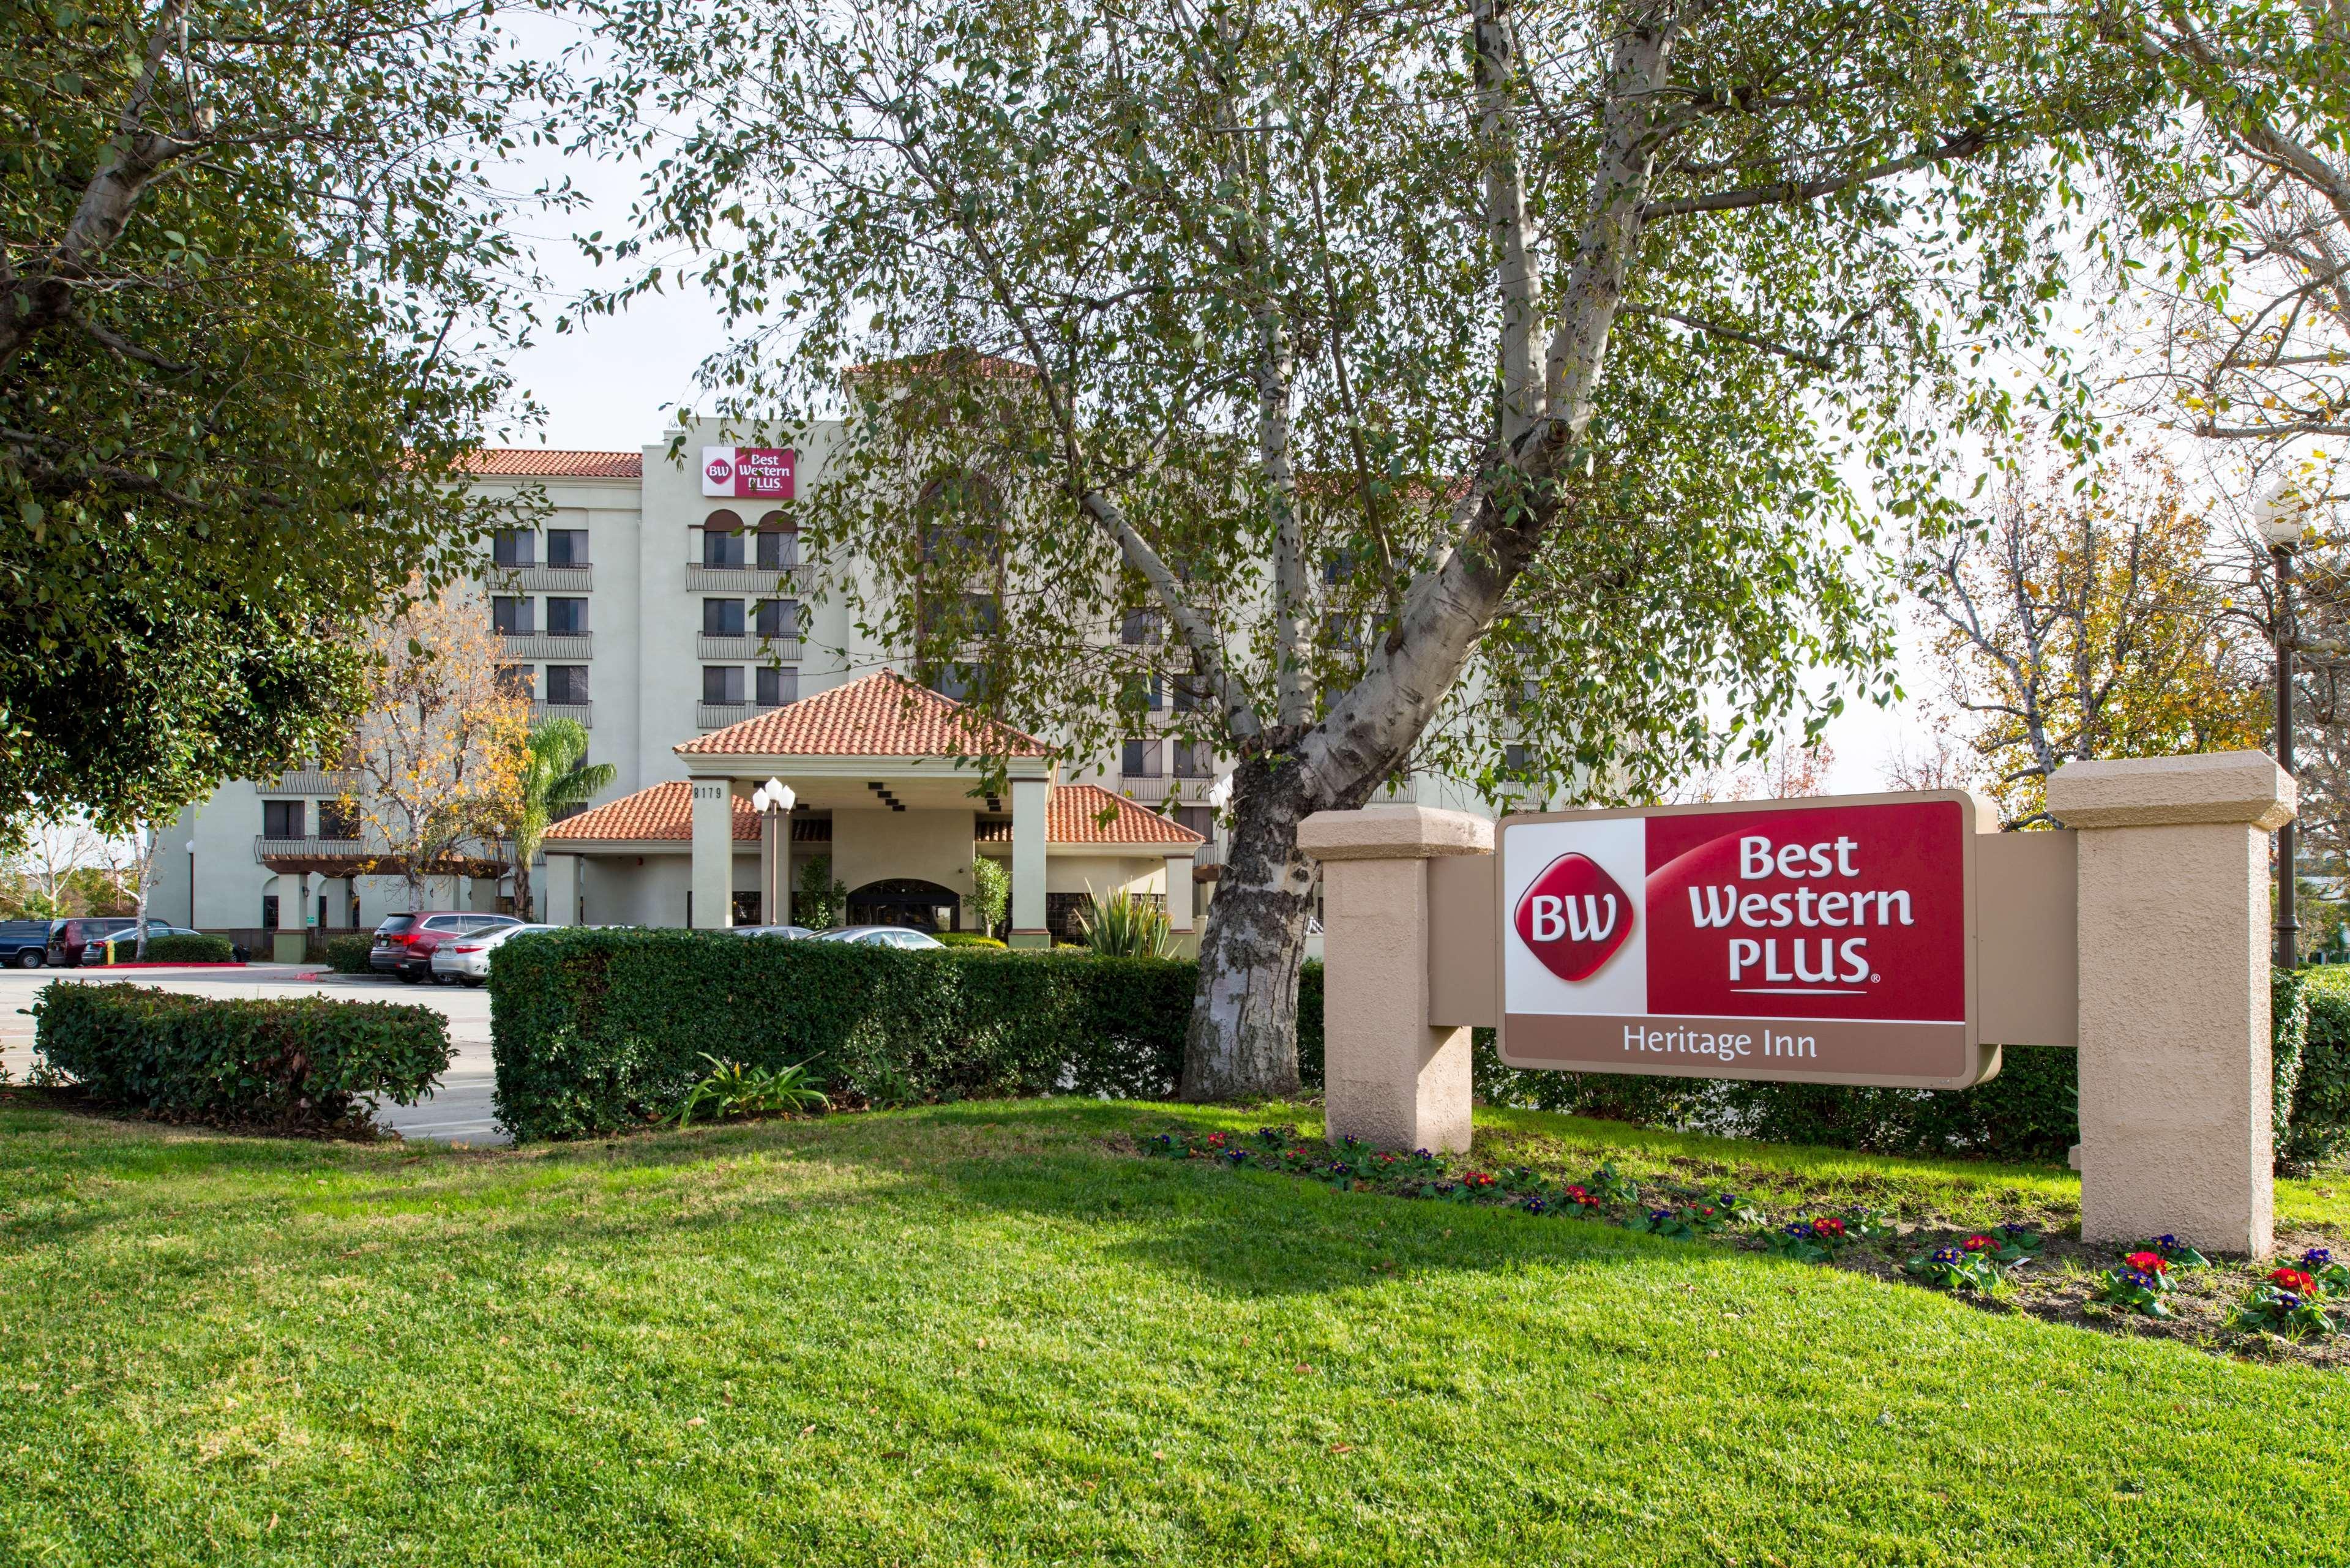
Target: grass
<point>980,1334</point>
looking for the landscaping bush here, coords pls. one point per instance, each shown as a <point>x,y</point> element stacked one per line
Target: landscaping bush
<point>2320,1125</point>
<point>348,955</point>
<point>191,947</point>
<point>298,1062</point>
<point>968,939</point>
<point>597,1031</point>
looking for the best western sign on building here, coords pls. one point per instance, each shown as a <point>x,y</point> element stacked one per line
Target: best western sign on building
<point>1831,942</point>
<point>752,473</point>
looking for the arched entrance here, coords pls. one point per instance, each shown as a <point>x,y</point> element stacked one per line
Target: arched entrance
<point>905,902</point>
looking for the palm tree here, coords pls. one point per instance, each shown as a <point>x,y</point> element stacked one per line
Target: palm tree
<point>555,777</point>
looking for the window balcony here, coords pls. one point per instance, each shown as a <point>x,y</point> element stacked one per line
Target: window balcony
<point>749,647</point>
<point>718,715</point>
<point>322,782</point>
<point>559,648</point>
<point>786,580</point>
<point>1154,789</point>
<point>578,711</point>
<point>266,848</point>
<point>537,579</point>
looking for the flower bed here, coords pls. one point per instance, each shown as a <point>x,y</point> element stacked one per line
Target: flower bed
<point>2158,1286</point>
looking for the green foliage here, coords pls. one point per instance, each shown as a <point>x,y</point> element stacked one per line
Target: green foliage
<point>299,1063</point>
<point>257,289</point>
<point>191,947</point>
<point>2288,1044</point>
<point>968,939</point>
<point>818,902</point>
<point>348,955</point>
<point>556,777</point>
<point>600,1031</point>
<point>730,1090</point>
<point>2320,1124</point>
<point>991,891</point>
<point>1125,926</point>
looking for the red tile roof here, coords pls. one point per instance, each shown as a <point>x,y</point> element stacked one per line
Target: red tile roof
<point>1074,815</point>
<point>882,715</point>
<point>664,811</point>
<point>545,463</point>
<point>1088,814</point>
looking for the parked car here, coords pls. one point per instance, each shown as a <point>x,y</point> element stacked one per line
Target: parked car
<point>881,937</point>
<point>404,944</point>
<point>117,946</point>
<point>70,937</point>
<point>784,933</point>
<point>466,960</point>
<point>26,943</point>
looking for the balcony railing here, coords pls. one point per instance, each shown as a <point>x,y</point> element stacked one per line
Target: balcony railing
<point>746,579</point>
<point>558,646</point>
<point>582,712</point>
<point>321,782</point>
<point>264,847</point>
<point>718,715</point>
<point>538,580</point>
<point>783,649</point>
<point>1151,789</point>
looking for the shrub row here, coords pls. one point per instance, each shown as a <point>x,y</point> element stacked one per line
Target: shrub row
<point>348,955</point>
<point>597,1031</point>
<point>299,1062</point>
<point>2319,1128</point>
<point>185,946</point>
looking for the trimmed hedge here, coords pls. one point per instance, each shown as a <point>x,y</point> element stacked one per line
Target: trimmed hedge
<point>189,948</point>
<point>598,1031</point>
<point>298,1062</point>
<point>348,955</point>
<point>2320,1129</point>
<point>969,939</point>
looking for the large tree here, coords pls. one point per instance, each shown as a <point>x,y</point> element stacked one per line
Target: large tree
<point>1415,386</point>
<point>255,283</point>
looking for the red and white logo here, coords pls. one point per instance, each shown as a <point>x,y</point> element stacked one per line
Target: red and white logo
<point>720,471</point>
<point>748,473</point>
<point>1574,916</point>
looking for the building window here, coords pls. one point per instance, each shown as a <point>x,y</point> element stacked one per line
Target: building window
<point>1518,759</point>
<point>567,684</point>
<point>1190,696</point>
<point>721,684</point>
<point>982,614</point>
<point>518,681</point>
<point>512,617</point>
<point>722,540</point>
<point>779,544</point>
<point>1138,759</point>
<point>1138,627</point>
<point>1143,695</point>
<point>514,548</point>
<point>269,911</point>
<point>566,546</point>
<point>779,617</point>
<point>722,617</point>
<point>1200,819</point>
<point>567,618</point>
<point>777,687</point>
<point>337,821</point>
<point>282,818</point>
<point>1194,760</point>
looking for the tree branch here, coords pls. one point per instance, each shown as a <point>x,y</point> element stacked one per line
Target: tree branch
<point>1965,144</point>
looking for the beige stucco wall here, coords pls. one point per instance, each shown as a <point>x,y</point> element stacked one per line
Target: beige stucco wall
<point>1104,874</point>
<point>930,845</point>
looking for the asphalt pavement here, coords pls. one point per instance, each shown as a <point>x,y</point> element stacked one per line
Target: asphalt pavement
<point>458,1112</point>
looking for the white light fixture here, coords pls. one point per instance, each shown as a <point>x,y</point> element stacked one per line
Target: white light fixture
<point>2283,516</point>
<point>1220,793</point>
<point>773,796</point>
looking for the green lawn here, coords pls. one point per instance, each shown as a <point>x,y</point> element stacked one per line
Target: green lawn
<point>977,1335</point>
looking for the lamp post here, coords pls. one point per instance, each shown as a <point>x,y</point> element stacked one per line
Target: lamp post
<point>2281,516</point>
<point>774,800</point>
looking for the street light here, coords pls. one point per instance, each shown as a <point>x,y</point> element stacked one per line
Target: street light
<point>774,800</point>
<point>2281,516</point>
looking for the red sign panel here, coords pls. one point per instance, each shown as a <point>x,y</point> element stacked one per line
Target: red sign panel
<point>1826,940</point>
<point>753,473</point>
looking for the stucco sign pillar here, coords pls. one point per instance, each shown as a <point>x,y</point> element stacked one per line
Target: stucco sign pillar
<point>713,854</point>
<point>1895,940</point>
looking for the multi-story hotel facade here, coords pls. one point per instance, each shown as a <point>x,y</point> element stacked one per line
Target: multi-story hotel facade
<point>668,606</point>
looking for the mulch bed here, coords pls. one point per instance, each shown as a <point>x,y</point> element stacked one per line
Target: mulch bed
<point>1753,1209</point>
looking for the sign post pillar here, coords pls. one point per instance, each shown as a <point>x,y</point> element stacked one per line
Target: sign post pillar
<point>2176,1094</point>
<point>1390,1079</point>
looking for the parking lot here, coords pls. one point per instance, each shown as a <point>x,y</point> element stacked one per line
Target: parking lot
<point>458,1112</point>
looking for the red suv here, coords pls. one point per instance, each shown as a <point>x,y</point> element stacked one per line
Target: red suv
<point>404,943</point>
<point>67,941</point>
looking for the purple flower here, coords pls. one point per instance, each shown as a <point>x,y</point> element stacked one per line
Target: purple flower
<point>1945,1254</point>
<point>1799,1230</point>
<point>2316,1258</point>
<point>1660,1214</point>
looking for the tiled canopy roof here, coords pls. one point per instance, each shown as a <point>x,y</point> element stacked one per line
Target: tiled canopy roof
<point>664,811</point>
<point>1088,814</point>
<point>882,715</point>
<point>542,462</point>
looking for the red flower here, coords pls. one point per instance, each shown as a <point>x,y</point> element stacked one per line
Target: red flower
<point>2148,1262</point>
<point>2293,1280</point>
<point>1980,1243</point>
<point>1828,1227</point>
